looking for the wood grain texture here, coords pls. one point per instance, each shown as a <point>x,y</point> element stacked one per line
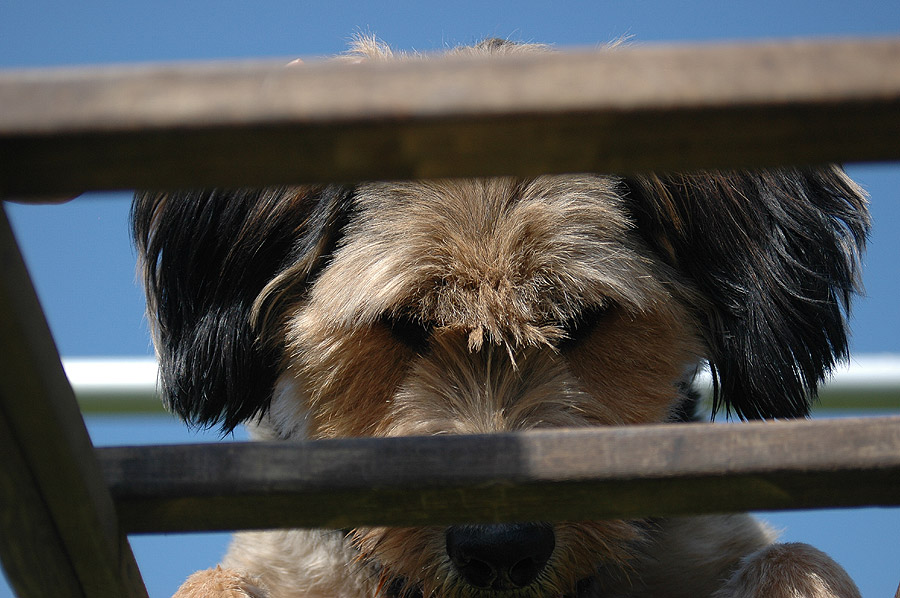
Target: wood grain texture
<point>538,475</point>
<point>31,550</point>
<point>60,529</point>
<point>623,110</point>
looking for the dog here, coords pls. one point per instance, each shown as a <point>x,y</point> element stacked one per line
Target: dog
<point>463,306</point>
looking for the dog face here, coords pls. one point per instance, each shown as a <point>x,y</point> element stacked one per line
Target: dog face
<point>488,305</point>
<point>475,301</point>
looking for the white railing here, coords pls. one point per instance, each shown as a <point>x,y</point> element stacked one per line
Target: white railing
<point>129,384</point>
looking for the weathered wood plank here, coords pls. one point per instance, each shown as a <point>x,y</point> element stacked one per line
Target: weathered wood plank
<point>546,475</point>
<point>622,110</point>
<point>60,531</point>
<point>30,548</point>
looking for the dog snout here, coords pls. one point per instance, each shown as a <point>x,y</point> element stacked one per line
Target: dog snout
<point>500,557</point>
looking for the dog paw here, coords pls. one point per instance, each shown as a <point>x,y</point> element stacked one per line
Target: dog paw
<point>220,583</point>
<point>789,571</point>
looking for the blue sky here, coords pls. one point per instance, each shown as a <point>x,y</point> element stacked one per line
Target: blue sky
<point>67,244</point>
<point>83,265</point>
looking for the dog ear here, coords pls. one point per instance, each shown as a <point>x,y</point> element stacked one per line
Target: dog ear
<point>776,254</point>
<point>205,258</point>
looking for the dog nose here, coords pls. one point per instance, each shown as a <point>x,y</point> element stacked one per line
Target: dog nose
<point>500,557</point>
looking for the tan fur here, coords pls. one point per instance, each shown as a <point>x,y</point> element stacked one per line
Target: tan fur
<point>223,583</point>
<point>301,564</point>
<point>496,265</point>
<point>691,556</point>
<point>789,571</point>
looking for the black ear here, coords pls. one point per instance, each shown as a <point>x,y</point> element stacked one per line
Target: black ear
<point>205,258</point>
<point>776,254</point>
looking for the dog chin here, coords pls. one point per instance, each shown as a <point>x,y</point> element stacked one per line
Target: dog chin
<point>589,587</point>
<point>509,560</point>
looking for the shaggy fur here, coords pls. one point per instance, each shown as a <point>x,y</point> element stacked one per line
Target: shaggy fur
<point>490,305</point>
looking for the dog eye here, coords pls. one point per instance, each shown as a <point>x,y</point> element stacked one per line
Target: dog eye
<point>411,331</point>
<point>577,329</point>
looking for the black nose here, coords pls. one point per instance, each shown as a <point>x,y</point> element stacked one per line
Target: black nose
<point>500,557</point>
